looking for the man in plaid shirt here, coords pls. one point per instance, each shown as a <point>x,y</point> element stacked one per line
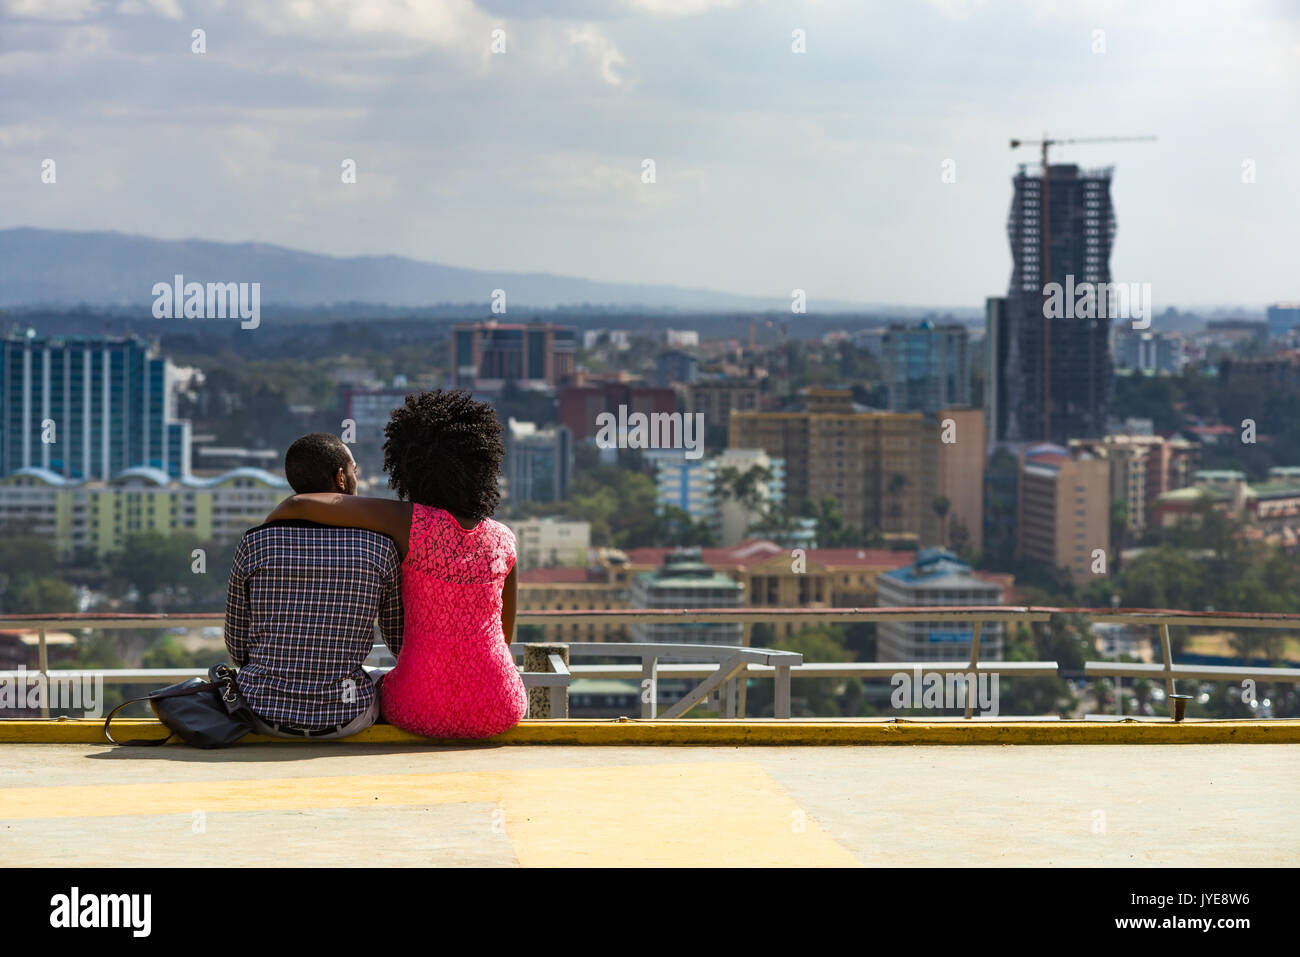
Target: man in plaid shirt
<point>301,605</point>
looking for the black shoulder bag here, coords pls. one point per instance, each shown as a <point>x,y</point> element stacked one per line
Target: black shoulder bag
<point>205,714</point>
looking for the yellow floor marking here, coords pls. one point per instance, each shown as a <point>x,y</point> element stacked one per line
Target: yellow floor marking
<point>715,814</point>
<point>660,815</point>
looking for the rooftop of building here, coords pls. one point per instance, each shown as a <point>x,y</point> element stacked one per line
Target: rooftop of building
<point>17,334</point>
<point>687,575</point>
<point>935,566</point>
<point>562,576</point>
<point>1131,438</point>
<point>758,551</point>
<point>660,791</point>
<point>724,382</point>
<point>1276,488</point>
<point>493,324</point>
<point>1058,171</point>
<point>153,476</point>
<point>653,804</point>
<point>1194,493</point>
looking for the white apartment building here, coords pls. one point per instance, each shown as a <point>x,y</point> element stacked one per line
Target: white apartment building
<point>100,515</point>
<point>551,543</point>
<point>692,486</point>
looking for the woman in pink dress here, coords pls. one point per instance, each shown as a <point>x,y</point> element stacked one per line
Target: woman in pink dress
<point>455,676</point>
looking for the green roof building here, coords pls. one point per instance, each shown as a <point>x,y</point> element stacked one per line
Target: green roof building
<point>684,581</point>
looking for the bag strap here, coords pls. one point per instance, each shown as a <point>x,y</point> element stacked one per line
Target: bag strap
<point>170,693</point>
<point>222,678</point>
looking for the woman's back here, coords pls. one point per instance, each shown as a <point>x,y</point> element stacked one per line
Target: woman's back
<point>455,676</point>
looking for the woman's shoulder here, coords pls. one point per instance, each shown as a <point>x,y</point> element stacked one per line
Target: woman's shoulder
<point>434,522</point>
<point>499,530</point>
<point>443,547</point>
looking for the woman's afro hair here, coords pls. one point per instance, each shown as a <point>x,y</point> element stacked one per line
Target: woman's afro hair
<point>444,450</point>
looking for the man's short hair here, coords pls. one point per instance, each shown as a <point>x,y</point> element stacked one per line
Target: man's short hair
<point>313,460</point>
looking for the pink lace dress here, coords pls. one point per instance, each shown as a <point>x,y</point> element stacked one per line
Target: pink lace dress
<point>455,677</point>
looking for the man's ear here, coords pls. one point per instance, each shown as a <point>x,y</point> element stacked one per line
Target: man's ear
<point>340,481</point>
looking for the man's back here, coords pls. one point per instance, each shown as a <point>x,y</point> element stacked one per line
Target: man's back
<point>300,612</point>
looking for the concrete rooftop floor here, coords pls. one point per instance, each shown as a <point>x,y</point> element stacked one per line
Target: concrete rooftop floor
<point>401,804</point>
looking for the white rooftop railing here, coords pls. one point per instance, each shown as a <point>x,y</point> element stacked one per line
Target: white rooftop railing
<point>724,668</point>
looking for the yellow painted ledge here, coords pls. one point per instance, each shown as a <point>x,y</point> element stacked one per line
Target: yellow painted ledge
<point>740,732</point>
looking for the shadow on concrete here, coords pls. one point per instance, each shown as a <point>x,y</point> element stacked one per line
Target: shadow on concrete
<point>263,753</point>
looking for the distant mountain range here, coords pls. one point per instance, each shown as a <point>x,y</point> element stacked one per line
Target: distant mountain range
<point>54,268</point>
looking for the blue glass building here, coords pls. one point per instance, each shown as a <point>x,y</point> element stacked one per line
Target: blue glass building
<point>87,408</point>
<point>926,367</point>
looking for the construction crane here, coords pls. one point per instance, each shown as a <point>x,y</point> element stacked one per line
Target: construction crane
<point>1045,237</point>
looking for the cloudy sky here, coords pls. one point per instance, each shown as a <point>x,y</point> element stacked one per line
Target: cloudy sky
<point>774,169</point>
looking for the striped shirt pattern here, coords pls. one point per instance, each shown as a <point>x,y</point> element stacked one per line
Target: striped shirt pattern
<point>300,610</point>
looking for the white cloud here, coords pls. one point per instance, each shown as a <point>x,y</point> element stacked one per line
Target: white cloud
<point>170,9</point>
<point>85,40</point>
<point>764,159</point>
<point>51,9</point>
<point>602,49</point>
<point>681,8</point>
<point>19,134</point>
<point>448,23</point>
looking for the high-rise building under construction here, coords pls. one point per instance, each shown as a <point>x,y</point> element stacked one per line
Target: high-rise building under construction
<point>1056,389</point>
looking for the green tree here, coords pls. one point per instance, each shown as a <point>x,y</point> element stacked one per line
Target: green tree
<point>669,526</point>
<point>1119,530</point>
<point>155,566</point>
<point>747,488</point>
<point>809,697</point>
<point>29,579</point>
<point>24,553</point>
<point>941,505</point>
<point>1065,639</point>
<point>166,651</point>
<point>832,531</point>
<point>31,596</point>
<point>959,541</point>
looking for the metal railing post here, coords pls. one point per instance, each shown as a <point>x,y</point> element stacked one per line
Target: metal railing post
<point>972,677</point>
<point>781,701</point>
<point>542,702</point>
<point>650,686</point>
<point>730,697</point>
<point>711,686</point>
<point>43,660</point>
<point>1166,651</point>
<point>559,698</point>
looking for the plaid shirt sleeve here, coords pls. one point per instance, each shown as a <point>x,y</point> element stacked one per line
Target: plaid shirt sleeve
<point>238,618</point>
<point>390,608</point>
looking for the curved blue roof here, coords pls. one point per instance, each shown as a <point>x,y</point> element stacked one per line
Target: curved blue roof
<point>45,475</point>
<point>244,471</point>
<point>1047,447</point>
<point>157,477</point>
<point>930,563</point>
